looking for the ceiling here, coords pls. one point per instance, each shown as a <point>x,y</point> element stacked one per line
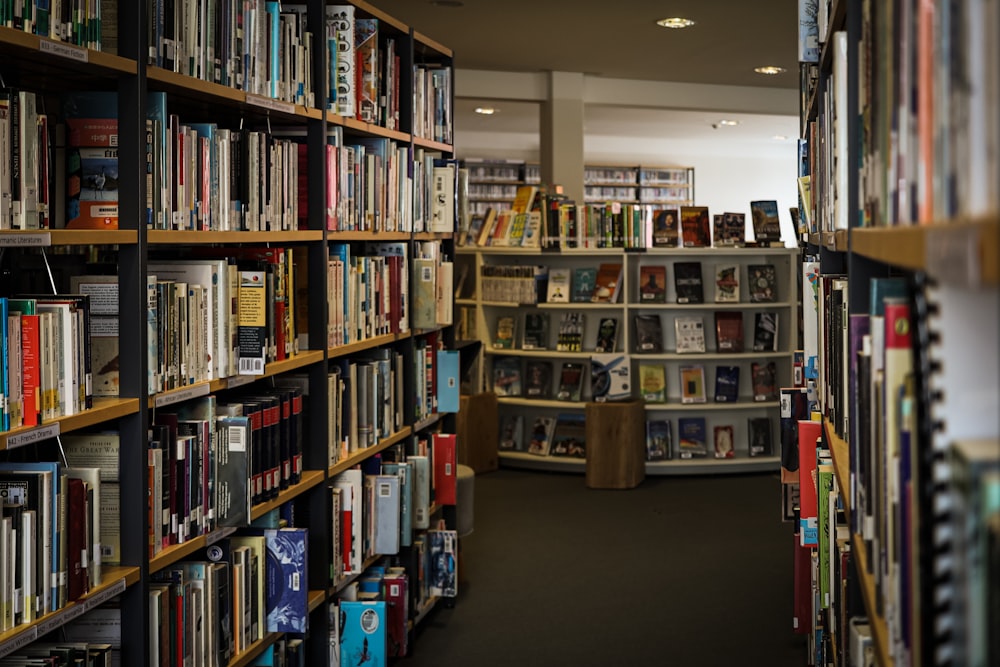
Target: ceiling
<point>615,39</point>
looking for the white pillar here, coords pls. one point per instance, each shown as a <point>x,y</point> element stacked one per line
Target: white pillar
<point>562,133</point>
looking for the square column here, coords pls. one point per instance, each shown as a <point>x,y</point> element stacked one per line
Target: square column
<point>562,133</point>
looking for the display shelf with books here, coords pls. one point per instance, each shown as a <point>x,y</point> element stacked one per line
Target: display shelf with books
<point>561,324</point>
<point>150,216</point>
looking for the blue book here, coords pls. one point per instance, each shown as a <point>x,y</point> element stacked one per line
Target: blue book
<point>57,495</point>
<point>387,514</point>
<point>404,471</point>
<point>287,585</point>
<point>727,384</point>
<point>363,636</point>
<point>584,280</point>
<point>691,437</point>
<point>447,380</point>
<point>273,9</point>
<point>442,562</point>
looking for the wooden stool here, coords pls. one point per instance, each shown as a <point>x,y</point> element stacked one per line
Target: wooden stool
<point>616,445</point>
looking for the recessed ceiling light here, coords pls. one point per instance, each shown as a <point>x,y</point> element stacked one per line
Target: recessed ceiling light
<point>780,137</point>
<point>729,123</point>
<point>675,22</point>
<point>769,69</point>
<point>447,3</point>
<point>486,111</point>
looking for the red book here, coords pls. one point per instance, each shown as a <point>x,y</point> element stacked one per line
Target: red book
<point>76,540</point>
<point>802,588</point>
<point>445,472</point>
<point>31,372</point>
<point>809,432</point>
<point>397,612</point>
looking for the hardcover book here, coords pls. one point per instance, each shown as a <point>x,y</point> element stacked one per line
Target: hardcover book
<point>608,283</point>
<point>765,332</point>
<point>659,440</point>
<point>723,439</point>
<point>559,285</point>
<point>363,638</point>
<point>765,381</point>
<point>607,335</point>
<point>584,281</point>
<point>570,381</point>
<point>538,379</point>
<point>540,436</point>
<point>504,338</point>
<point>666,227</point>
<point>762,283</point>
<point>570,338</point>
<point>653,284</point>
<point>690,334</point>
<point>766,226</point>
<point>570,435</point>
<point>91,160</point>
<point>507,376</point>
<point>687,282</point>
<point>759,435</point>
<point>695,227</point>
<point>443,563</point>
<point>253,342</point>
<point>536,331</point>
<point>691,437</point>
<point>727,384</point>
<point>287,586</point>
<point>512,433</point>
<point>610,377</point>
<point>648,333</point>
<point>727,283</point>
<point>652,383</point>
<point>693,384</point>
<point>729,331</point>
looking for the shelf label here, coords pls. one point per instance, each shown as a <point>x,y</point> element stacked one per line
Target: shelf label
<point>26,240</point>
<point>60,618</point>
<point>219,535</point>
<point>953,255</point>
<point>182,395</point>
<point>64,50</point>
<point>114,590</point>
<point>20,641</point>
<point>34,435</point>
<point>268,103</point>
<point>240,380</point>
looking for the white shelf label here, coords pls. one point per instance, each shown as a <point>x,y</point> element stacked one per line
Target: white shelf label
<point>952,255</point>
<point>218,535</point>
<point>60,618</point>
<point>63,50</point>
<point>181,395</point>
<point>111,591</point>
<point>18,240</point>
<point>19,642</point>
<point>34,435</point>
<point>268,103</point>
<point>240,380</point>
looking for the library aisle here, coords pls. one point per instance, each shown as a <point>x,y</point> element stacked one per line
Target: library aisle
<point>679,571</point>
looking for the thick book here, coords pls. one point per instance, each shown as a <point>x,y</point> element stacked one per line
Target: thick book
<point>386,510</point>
<point>687,282</point>
<point>91,160</point>
<point>253,340</point>
<point>570,435</point>
<point>445,453</point>
<point>653,284</point>
<point>648,333</point>
<point>363,633</point>
<point>696,231</point>
<point>443,563</point>
<point>659,440</point>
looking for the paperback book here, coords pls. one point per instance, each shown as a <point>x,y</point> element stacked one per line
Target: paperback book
<point>690,334</point>
<point>652,383</point>
<point>729,331</point>
<point>559,285</point>
<point>691,437</point>
<point>608,283</point>
<point>765,332</point>
<point>730,230</point>
<point>570,435</point>
<point>653,284</point>
<point>696,229</point>
<point>540,437</point>
<point>766,226</point>
<point>570,337</point>
<point>607,335</point>
<point>504,338</point>
<point>687,282</point>
<point>727,283</point>
<point>512,433</point>
<point>648,333</point>
<point>507,376</point>
<point>759,435</point>
<point>538,379</point>
<point>536,331</point>
<point>762,283</point>
<point>727,384</point>
<point>584,281</point>
<point>610,377</point>
<point>765,381</point>
<point>723,440</point>
<point>659,440</point>
<point>693,384</point>
<point>666,227</point>
<point>570,381</point>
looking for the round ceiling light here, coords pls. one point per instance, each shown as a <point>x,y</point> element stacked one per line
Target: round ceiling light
<point>769,69</point>
<point>486,111</point>
<point>675,22</point>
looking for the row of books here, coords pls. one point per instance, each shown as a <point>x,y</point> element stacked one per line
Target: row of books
<point>537,219</point>
<point>564,435</point>
<point>85,26</point>
<point>256,46</point>
<point>363,68</point>
<point>50,538</point>
<point>72,649</point>
<point>692,439</point>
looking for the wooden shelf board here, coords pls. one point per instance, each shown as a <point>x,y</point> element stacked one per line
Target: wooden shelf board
<point>880,633</point>
<point>532,462</point>
<point>575,306</point>
<point>111,63</point>
<point>316,598</point>
<point>673,356</point>
<point>742,305</point>
<point>105,409</point>
<point>115,579</point>
<point>713,466</point>
<point>840,452</point>
<point>723,251</point>
<point>366,128</point>
<point>252,652</point>
<point>377,13</point>
<point>366,344</point>
<point>197,237</point>
<point>427,41</point>
<point>425,609</point>
<point>347,579</point>
<point>426,422</point>
<point>836,241</point>
<point>745,403</point>
<point>542,403</point>
<point>61,237</point>
<point>433,236</point>
<point>362,454</point>
<point>538,353</point>
<point>300,360</point>
<point>192,87</point>
<point>920,247</point>
<point>310,479</point>
<point>610,184</point>
<point>367,236</point>
<point>424,142</point>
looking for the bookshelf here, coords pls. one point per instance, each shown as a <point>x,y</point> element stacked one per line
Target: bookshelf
<point>904,255</point>
<point>412,129</point>
<point>484,315</point>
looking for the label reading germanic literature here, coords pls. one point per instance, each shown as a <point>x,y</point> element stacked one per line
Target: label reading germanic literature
<point>26,240</point>
<point>62,50</point>
<point>112,591</point>
<point>34,435</point>
<point>268,103</point>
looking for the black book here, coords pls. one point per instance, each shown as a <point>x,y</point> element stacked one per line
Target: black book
<point>762,283</point>
<point>648,334</point>
<point>536,331</point>
<point>765,332</point>
<point>687,282</point>
<point>538,379</point>
<point>607,335</point>
<point>570,381</point>
<point>759,430</point>
<point>727,384</point>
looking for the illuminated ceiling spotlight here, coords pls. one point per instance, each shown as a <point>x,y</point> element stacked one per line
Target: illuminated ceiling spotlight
<point>486,111</point>
<point>675,22</point>
<point>769,69</point>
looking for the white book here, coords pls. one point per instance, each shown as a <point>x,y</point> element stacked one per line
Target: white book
<point>341,19</point>
<point>421,491</point>
<point>27,561</point>
<point>7,560</point>
<point>387,514</point>
<point>559,285</point>
<point>690,333</point>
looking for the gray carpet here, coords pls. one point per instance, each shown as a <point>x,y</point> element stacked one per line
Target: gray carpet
<point>679,571</point>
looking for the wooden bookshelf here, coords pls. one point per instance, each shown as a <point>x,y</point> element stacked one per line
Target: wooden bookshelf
<point>366,344</point>
<point>424,40</point>
<point>199,237</point>
<point>316,598</point>
<point>105,409</point>
<point>432,145</point>
<point>367,236</point>
<point>310,479</point>
<point>357,457</point>
<point>66,237</point>
<point>247,657</point>
<point>65,54</point>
